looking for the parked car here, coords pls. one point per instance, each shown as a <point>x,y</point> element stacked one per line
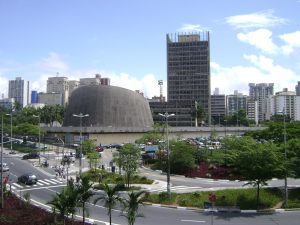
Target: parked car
<point>4,167</point>
<point>28,178</point>
<point>32,155</point>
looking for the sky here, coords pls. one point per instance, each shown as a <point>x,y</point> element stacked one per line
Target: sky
<point>251,41</point>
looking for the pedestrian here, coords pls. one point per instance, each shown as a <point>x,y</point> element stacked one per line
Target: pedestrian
<point>77,177</point>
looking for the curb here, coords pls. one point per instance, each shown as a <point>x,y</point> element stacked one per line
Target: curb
<point>264,211</point>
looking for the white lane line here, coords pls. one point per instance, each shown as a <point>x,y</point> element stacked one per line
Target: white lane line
<point>194,221</point>
<point>45,187</point>
<point>39,184</point>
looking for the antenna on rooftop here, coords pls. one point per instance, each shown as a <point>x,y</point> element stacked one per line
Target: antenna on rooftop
<point>160,83</point>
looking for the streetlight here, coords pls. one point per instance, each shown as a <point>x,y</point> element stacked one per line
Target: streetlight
<point>166,116</point>
<point>10,114</point>
<point>80,115</point>
<point>39,137</point>
<point>2,189</point>
<point>286,194</point>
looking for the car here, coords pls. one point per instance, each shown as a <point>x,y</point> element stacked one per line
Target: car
<point>4,167</point>
<point>28,178</point>
<point>99,149</point>
<point>32,155</point>
<point>68,159</point>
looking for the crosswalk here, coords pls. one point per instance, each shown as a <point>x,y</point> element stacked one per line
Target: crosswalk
<point>44,183</point>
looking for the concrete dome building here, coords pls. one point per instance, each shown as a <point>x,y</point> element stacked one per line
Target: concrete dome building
<point>108,106</point>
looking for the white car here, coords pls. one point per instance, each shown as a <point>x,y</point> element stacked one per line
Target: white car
<point>4,167</point>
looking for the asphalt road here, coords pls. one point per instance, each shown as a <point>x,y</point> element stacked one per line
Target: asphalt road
<point>153,215</point>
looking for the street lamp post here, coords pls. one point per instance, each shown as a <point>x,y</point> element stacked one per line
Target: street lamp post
<point>2,189</point>
<point>166,116</point>
<point>286,194</point>
<point>80,115</point>
<point>39,137</point>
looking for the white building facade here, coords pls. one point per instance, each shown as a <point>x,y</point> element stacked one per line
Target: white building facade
<point>19,90</point>
<point>286,102</point>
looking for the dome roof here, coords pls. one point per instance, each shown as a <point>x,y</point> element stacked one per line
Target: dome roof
<point>108,106</point>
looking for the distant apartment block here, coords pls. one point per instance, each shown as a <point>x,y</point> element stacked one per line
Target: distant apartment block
<point>236,102</point>
<point>50,98</point>
<point>7,103</point>
<point>97,80</point>
<point>260,93</point>
<point>19,90</point>
<point>252,110</point>
<point>218,108</point>
<point>59,85</point>
<point>286,102</point>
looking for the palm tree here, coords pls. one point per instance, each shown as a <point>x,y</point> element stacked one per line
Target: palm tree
<point>110,198</point>
<point>65,202</point>
<point>84,194</point>
<point>131,206</point>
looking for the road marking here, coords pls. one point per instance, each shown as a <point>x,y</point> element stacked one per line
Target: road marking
<point>44,187</point>
<point>194,221</point>
<point>57,181</point>
<point>19,186</point>
<point>52,182</point>
<point>43,182</point>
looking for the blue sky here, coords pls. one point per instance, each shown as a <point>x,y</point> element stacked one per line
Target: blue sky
<point>251,41</point>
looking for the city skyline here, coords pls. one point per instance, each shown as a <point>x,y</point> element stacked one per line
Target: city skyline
<point>251,41</point>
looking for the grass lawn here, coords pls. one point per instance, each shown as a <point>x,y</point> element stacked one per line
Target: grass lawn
<point>242,198</point>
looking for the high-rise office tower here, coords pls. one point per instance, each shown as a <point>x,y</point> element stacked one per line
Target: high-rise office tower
<point>19,90</point>
<point>188,75</point>
<point>59,85</point>
<point>261,92</point>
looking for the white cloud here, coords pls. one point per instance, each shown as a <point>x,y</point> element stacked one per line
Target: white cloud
<point>53,63</point>
<point>148,84</point>
<point>292,41</point>
<point>264,70</point>
<point>3,86</point>
<point>255,20</point>
<point>261,39</point>
<point>191,28</point>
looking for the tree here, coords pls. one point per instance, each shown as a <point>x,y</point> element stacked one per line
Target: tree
<point>88,146</point>
<point>256,162</point>
<point>181,157</point>
<point>129,155</point>
<point>85,192</point>
<point>93,159</point>
<point>131,206</point>
<point>152,136</point>
<point>65,202</point>
<point>198,113</point>
<point>110,198</point>
<point>293,157</point>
